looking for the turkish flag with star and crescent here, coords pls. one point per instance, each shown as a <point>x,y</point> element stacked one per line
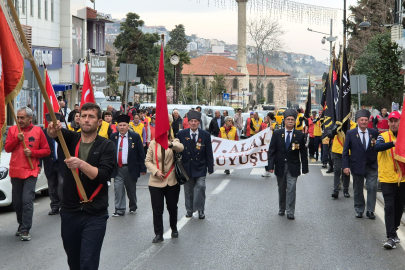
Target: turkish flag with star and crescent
<point>87,92</point>
<point>52,97</point>
<point>12,74</point>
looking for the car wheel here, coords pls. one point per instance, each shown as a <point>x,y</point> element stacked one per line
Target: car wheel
<point>45,192</point>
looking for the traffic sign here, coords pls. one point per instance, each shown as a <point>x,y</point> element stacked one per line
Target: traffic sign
<point>226,96</point>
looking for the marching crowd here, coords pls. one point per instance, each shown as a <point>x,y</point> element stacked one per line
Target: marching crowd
<point>121,145</point>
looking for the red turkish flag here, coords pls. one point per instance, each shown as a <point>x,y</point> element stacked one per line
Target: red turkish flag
<point>162,114</point>
<point>87,92</point>
<point>52,97</point>
<point>12,75</point>
<point>400,150</point>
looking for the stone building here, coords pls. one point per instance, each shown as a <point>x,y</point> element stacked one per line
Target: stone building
<point>205,67</point>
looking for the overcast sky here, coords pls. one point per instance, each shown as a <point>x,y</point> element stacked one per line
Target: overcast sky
<point>216,22</point>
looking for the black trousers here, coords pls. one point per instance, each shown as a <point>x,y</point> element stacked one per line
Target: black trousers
<point>394,206</point>
<point>311,147</point>
<point>82,236</point>
<point>157,196</point>
<point>317,142</point>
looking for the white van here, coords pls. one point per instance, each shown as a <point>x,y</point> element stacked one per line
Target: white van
<point>183,109</point>
<point>210,110</point>
<point>100,97</point>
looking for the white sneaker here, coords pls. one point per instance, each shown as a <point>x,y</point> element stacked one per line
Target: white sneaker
<point>266,174</point>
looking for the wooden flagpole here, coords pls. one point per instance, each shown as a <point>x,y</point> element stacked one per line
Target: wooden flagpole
<point>19,131</point>
<point>45,96</point>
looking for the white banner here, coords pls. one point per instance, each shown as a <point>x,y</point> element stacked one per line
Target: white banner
<point>245,154</point>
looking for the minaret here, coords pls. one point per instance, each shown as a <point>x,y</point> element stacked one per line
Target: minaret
<point>242,43</point>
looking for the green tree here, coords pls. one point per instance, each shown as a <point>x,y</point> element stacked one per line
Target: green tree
<point>381,63</point>
<point>377,12</point>
<point>138,48</point>
<point>177,45</point>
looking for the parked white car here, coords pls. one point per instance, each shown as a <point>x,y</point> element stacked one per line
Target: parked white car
<point>5,182</point>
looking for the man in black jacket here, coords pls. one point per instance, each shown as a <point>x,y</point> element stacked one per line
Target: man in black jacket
<point>216,123</point>
<point>285,149</point>
<point>93,157</point>
<point>131,164</point>
<point>177,124</point>
<point>54,167</point>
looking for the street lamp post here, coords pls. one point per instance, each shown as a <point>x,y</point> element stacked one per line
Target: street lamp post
<point>330,38</point>
<point>196,85</point>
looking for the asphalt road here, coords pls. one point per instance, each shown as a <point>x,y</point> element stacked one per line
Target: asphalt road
<point>241,231</point>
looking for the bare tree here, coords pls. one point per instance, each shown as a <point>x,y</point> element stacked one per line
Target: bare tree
<point>265,35</point>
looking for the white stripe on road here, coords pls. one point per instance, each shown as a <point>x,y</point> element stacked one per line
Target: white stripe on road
<point>326,174</point>
<point>221,171</point>
<point>221,186</point>
<point>155,248</point>
<point>258,171</point>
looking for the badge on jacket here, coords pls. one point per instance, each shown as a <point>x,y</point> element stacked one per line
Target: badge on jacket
<point>373,142</point>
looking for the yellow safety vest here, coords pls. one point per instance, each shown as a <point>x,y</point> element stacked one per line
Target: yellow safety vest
<point>138,129</point>
<point>299,125</point>
<point>338,141</point>
<point>386,167</point>
<point>72,129</point>
<point>103,131</point>
<point>231,134</point>
<point>256,125</point>
<point>318,129</point>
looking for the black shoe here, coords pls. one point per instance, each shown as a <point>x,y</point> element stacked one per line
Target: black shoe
<point>25,236</point>
<point>117,215</point>
<point>227,171</point>
<point>290,216</point>
<point>18,232</point>
<point>330,170</point>
<point>281,212</point>
<point>359,215</point>
<point>335,194</point>
<point>201,214</point>
<point>346,194</point>
<point>159,238</point>
<point>175,234</point>
<point>390,244</point>
<point>324,166</point>
<point>370,215</point>
<point>189,214</point>
<point>53,212</point>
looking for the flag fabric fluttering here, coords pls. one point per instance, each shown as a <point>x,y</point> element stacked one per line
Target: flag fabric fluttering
<point>346,94</point>
<point>162,114</point>
<point>12,75</point>
<point>52,97</point>
<point>308,104</point>
<point>87,93</point>
<point>329,107</point>
<point>399,152</point>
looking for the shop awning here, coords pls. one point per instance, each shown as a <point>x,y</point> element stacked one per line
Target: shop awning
<point>62,87</point>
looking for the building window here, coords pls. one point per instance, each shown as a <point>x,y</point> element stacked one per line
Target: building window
<point>203,81</point>
<point>32,8</point>
<point>23,6</point>
<point>46,9</point>
<point>270,93</point>
<point>39,9</point>
<point>52,9</point>
<point>235,84</point>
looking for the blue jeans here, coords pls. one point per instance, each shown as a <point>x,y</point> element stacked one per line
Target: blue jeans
<point>82,236</point>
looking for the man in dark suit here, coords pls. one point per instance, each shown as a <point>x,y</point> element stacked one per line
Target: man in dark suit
<point>285,149</point>
<point>197,158</point>
<point>131,164</point>
<point>53,167</point>
<point>362,163</point>
<point>216,123</point>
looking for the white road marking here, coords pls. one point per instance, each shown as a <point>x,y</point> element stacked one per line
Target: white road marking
<point>326,174</point>
<point>219,171</point>
<point>258,171</point>
<point>155,248</point>
<point>221,187</point>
